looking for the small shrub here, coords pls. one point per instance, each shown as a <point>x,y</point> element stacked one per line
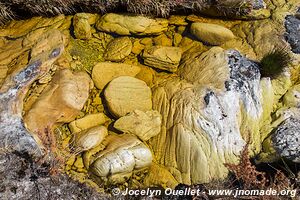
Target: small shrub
<point>274,62</point>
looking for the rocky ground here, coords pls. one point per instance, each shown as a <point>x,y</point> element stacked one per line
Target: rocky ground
<point>90,102</point>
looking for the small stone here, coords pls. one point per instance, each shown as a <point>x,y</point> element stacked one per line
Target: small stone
<point>126,94</point>
<point>104,72</point>
<point>82,27</point>
<point>162,40</point>
<point>177,20</point>
<point>165,58</point>
<point>137,25</point>
<point>145,125</point>
<point>87,121</point>
<point>118,49</point>
<point>137,47</point>
<point>211,33</point>
<point>177,39</point>
<point>146,41</point>
<point>89,138</point>
<point>292,97</point>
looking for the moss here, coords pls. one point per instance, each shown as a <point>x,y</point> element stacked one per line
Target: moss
<point>274,63</point>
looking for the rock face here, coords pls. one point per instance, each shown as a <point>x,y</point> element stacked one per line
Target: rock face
<point>127,25</point>
<point>87,122</point>
<point>211,33</point>
<point>204,126</point>
<point>126,94</point>
<point>14,137</point>
<point>145,125</point>
<point>82,28</point>
<point>104,72</point>
<point>165,58</point>
<point>60,102</point>
<point>286,139</point>
<point>118,49</point>
<point>122,155</point>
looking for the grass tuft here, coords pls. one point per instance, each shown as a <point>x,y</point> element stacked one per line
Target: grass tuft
<point>274,62</point>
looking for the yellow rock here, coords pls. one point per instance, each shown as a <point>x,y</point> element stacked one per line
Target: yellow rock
<point>137,47</point>
<point>118,49</point>
<point>161,57</point>
<point>60,102</point>
<point>89,138</point>
<point>87,121</point>
<point>142,124</point>
<point>146,41</point>
<point>177,39</point>
<point>127,25</point>
<point>177,20</point>
<point>159,176</point>
<point>104,72</point>
<point>147,75</point>
<point>162,40</point>
<point>211,33</point>
<point>292,97</point>
<point>126,94</point>
<point>82,28</point>
<point>207,69</point>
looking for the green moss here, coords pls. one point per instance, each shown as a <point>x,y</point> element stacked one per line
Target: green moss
<point>274,62</point>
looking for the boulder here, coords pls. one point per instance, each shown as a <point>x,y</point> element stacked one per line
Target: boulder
<point>60,102</point>
<point>87,122</point>
<point>145,125</point>
<point>82,28</point>
<point>126,94</point>
<point>118,49</point>
<point>211,33</point>
<point>122,155</point>
<point>205,126</point>
<point>128,24</point>
<point>161,57</point>
<point>104,72</point>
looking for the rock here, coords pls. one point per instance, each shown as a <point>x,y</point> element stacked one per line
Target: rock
<point>199,129</point>
<point>87,122</point>
<point>292,35</point>
<point>89,138</point>
<point>145,125</point>
<point>292,97</point>
<point>104,72</point>
<point>211,33</point>
<point>177,39</point>
<point>177,20</point>
<point>122,155</point>
<point>118,49</point>
<point>206,69</point>
<point>60,102</point>
<point>127,25</point>
<point>286,139</point>
<point>165,58</point>
<point>126,94</point>
<point>162,40</point>
<point>82,27</point>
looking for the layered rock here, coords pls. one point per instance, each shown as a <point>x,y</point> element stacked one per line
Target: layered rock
<point>127,24</point>
<point>122,155</point>
<point>165,58</point>
<point>105,72</point>
<point>126,94</point>
<point>205,126</point>
<point>118,49</point>
<point>145,125</point>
